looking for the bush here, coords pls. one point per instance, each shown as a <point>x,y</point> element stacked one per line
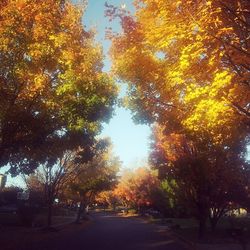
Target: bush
<point>8,196</point>
<point>27,214</point>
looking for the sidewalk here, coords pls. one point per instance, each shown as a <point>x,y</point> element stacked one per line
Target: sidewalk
<point>192,245</point>
<point>58,222</point>
<point>220,247</point>
<point>203,246</point>
<point>12,237</point>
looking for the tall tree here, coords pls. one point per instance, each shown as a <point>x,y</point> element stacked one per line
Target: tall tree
<point>136,188</point>
<point>52,87</point>
<point>94,176</point>
<point>208,176</point>
<point>50,178</point>
<point>53,176</point>
<point>186,63</point>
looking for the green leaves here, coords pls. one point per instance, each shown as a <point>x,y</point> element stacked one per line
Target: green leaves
<point>51,79</point>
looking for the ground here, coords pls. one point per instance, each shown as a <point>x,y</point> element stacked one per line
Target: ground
<point>105,231</point>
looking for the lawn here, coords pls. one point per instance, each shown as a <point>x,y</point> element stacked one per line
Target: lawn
<point>60,216</point>
<point>229,230</point>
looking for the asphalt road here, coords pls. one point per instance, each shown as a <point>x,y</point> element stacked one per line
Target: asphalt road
<point>111,232</point>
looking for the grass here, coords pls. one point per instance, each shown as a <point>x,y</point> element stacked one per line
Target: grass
<point>13,238</point>
<point>41,220</point>
<point>223,233</point>
<point>187,228</point>
<point>60,216</point>
<point>9,219</point>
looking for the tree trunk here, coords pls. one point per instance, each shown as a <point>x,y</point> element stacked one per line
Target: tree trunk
<point>49,215</point>
<point>202,217</point>
<point>79,212</point>
<point>215,216</point>
<point>202,227</point>
<point>213,222</point>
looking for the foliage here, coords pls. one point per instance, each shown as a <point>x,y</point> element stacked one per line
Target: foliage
<point>137,188</point>
<point>208,177</point>
<point>96,175</point>
<point>8,195</point>
<point>52,88</point>
<point>92,177</point>
<point>108,198</point>
<point>186,63</point>
<point>51,178</point>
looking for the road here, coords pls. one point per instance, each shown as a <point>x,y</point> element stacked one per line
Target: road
<point>111,232</point>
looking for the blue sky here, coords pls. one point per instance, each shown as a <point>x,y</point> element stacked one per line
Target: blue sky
<point>94,18</point>
<point>131,142</point>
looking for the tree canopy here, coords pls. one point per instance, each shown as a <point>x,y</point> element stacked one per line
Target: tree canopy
<point>52,88</point>
<point>187,68</point>
<point>187,64</point>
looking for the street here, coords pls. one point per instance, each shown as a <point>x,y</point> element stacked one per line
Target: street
<point>110,232</point>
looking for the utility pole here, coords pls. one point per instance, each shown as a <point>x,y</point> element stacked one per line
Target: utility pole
<point>3,180</point>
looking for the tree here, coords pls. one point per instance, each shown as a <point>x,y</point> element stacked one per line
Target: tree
<point>137,188</point>
<point>52,177</point>
<point>108,198</point>
<point>52,87</point>
<point>207,175</point>
<point>8,195</point>
<point>186,63</point>
<point>94,176</point>
<point>49,179</point>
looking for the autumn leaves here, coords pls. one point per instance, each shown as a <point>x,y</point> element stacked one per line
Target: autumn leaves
<point>203,68</point>
<point>51,82</point>
<point>187,67</point>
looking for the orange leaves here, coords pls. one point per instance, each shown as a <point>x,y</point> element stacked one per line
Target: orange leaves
<point>51,73</point>
<point>135,187</point>
<point>174,146</point>
<point>200,42</point>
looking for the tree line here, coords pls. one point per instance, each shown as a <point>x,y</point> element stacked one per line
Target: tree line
<point>54,98</point>
<point>186,64</point>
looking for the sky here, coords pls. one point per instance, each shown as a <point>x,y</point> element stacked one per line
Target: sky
<point>130,141</point>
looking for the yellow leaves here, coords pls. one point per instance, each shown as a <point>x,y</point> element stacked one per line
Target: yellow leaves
<point>213,117</point>
<point>184,62</point>
<point>194,92</point>
<point>40,82</point>
<point>175,77</point>
<point>209,3</point>
<point>212,60</point>
<point>195,74</point>
<point>59,39</point>
<point>221,81</point>
<point>178,3</point>
<point>211,109</point>
<point>215,89</point>
<point>226,29</point>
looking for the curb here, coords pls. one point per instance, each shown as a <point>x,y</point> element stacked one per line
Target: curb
<point>190,244</point>
<point>57,227</point>
<point>195,246</point>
